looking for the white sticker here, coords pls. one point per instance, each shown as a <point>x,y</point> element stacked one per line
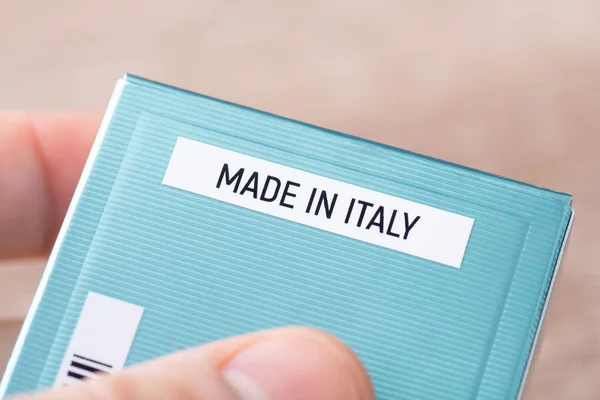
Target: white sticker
<point>320,202</point>
<point>101,341</point>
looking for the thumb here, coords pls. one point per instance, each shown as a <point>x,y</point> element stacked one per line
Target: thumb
<point>280,364</point>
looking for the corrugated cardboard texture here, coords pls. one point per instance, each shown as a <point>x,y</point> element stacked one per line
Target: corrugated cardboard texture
<point>505,88</point>
<point>204,269</point>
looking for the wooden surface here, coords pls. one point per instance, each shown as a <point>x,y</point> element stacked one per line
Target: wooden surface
<point>510,87</point>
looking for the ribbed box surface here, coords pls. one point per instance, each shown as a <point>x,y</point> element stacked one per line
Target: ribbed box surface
<point>204,268</point>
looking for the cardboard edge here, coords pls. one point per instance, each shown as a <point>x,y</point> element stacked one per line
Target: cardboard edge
<point>37,298</point>
<point>535,344</point>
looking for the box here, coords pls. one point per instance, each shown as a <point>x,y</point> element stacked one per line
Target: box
<point>196,219</point>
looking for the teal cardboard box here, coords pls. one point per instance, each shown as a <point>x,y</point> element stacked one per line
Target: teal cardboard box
<point>197,219</point>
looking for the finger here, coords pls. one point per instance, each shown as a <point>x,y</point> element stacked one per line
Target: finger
<point>282,364</point>
<point>41,158</point>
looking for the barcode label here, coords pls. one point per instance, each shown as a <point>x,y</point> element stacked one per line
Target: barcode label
<point>82,367</point>
<point>101,340</point>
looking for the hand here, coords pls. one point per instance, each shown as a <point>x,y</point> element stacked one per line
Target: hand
<point>41,158</point>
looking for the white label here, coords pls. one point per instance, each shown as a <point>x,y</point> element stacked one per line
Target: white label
<point>320,202</point>
<point>101,341</point>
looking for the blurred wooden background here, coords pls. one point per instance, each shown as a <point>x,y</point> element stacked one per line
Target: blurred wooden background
<point>510,87</point>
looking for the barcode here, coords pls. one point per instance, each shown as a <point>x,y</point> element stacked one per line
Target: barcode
<point>101,340</point>
<point>82,368</point>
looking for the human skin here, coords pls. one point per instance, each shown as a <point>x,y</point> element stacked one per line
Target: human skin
<point>41,158</point>
<point>508,87</point>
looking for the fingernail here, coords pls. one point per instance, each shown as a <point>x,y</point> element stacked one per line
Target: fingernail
<point>258,372</point>
<point>245,387</point>
<point>305,368</point>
